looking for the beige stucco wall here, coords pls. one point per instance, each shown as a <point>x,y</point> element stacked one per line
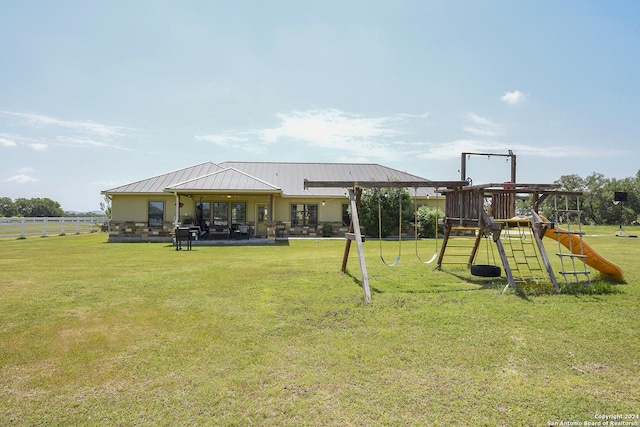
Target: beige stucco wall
<point>130,212</point>
<point>135,208</point>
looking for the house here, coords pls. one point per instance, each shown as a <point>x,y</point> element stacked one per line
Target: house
<point>243,199</point>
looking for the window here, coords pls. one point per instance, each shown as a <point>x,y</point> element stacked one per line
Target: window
<point>304,215</point>
<point>221,214</point>
<point>346,216</point>
<point>238,213</point>
<point>203,213</point>
<point>156,214</point>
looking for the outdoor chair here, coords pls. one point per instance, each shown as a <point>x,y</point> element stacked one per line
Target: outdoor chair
<point>219,232</point>
<point>244,231</point>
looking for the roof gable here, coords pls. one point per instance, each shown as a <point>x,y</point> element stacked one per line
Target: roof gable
<point>228,179</point>
<point>158,183</point>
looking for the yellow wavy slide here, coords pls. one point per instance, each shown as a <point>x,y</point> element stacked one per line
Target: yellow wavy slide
<point>593,258</point>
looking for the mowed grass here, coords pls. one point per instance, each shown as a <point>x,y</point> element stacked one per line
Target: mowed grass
<point>95,333</point>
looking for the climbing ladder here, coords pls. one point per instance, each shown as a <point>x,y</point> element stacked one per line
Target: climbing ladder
<point>461,244</point>
<point>572,262</point>
<point>521,251</point>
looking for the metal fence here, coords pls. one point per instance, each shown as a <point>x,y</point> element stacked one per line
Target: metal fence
<point>22,227</point>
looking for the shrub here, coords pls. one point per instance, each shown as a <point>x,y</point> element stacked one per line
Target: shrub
<point>327,230</point>
<point>387,201</point>
<point>427,218</point>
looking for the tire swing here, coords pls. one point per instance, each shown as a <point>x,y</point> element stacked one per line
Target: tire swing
<point>487,270</point>
<point>415,222</point>
<point>397,260</point>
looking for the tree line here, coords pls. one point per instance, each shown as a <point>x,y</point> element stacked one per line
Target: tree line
<point>597,202</point>
<point>35,207</point>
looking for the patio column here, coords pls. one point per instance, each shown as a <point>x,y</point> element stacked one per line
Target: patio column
<point>271,204</point>
<point>271,228</point>
<point>177,218</point>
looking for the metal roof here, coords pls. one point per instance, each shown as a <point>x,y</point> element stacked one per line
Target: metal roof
<point>228,179</point>
<point>290,176</point>
<point>157,184</point>
<point>286,178</point>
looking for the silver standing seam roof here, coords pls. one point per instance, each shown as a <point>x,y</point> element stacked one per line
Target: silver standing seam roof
<point>157,184</point>
<point>286,178</point>
<point>227,179</point>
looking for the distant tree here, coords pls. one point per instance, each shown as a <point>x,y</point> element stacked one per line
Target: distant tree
<point>623,212</point>
<point>38,207</point>
<point>7,207</point>
<point>427,220</point>
<point>597,201</point>
<point>105,206</point>
<point>388,199</point>
<point>568,183</point>
<point>594,201</point>
<point>571,183</point>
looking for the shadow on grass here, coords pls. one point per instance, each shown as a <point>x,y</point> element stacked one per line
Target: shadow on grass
<point>488,284</point>
<point>358,282</point>
<point>527,290</point>
<point>524,290</point>
<point>228,244</point>
<point>482,284</point>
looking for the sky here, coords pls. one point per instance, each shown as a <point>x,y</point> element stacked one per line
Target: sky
<point>97,94</point>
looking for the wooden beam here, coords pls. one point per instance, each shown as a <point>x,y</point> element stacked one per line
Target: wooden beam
<point>384,184</point>
<point>507,268</point>
<point>347,246</point>
<point>542,189</point>
<point>358,237</point>
<point>539,227</point>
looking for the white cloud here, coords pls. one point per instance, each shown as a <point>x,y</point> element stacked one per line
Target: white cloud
<point>346,159</point>
<point>513,98</point>
<point>414,116</point>
<point>87,142</point>
<point>221,139</point>
<point>76,125</point>
<point>21,179</point>
<point>4,142</point>
<point>335,129</point>
<point>481,126</point>
<point>237,141</point>
<point>39,147</point>
<point>453,149</point>
<point>329,129</point>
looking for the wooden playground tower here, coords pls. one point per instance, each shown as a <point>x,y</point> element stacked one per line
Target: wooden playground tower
<point>489,210</point>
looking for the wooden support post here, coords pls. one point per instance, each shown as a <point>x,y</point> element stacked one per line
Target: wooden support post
<point>538,229</point>
<point>476,245</point>
<point>505,263</point>
<point>347,246</point>
<point>354,199</point>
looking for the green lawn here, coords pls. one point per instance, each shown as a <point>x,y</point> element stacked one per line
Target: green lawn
<point>95,333</point>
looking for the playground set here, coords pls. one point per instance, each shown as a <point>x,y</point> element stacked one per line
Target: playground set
<point>487,213</point>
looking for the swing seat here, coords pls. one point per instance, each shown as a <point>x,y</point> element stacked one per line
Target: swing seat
<point>482,270</point>
<point>393,264</point>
